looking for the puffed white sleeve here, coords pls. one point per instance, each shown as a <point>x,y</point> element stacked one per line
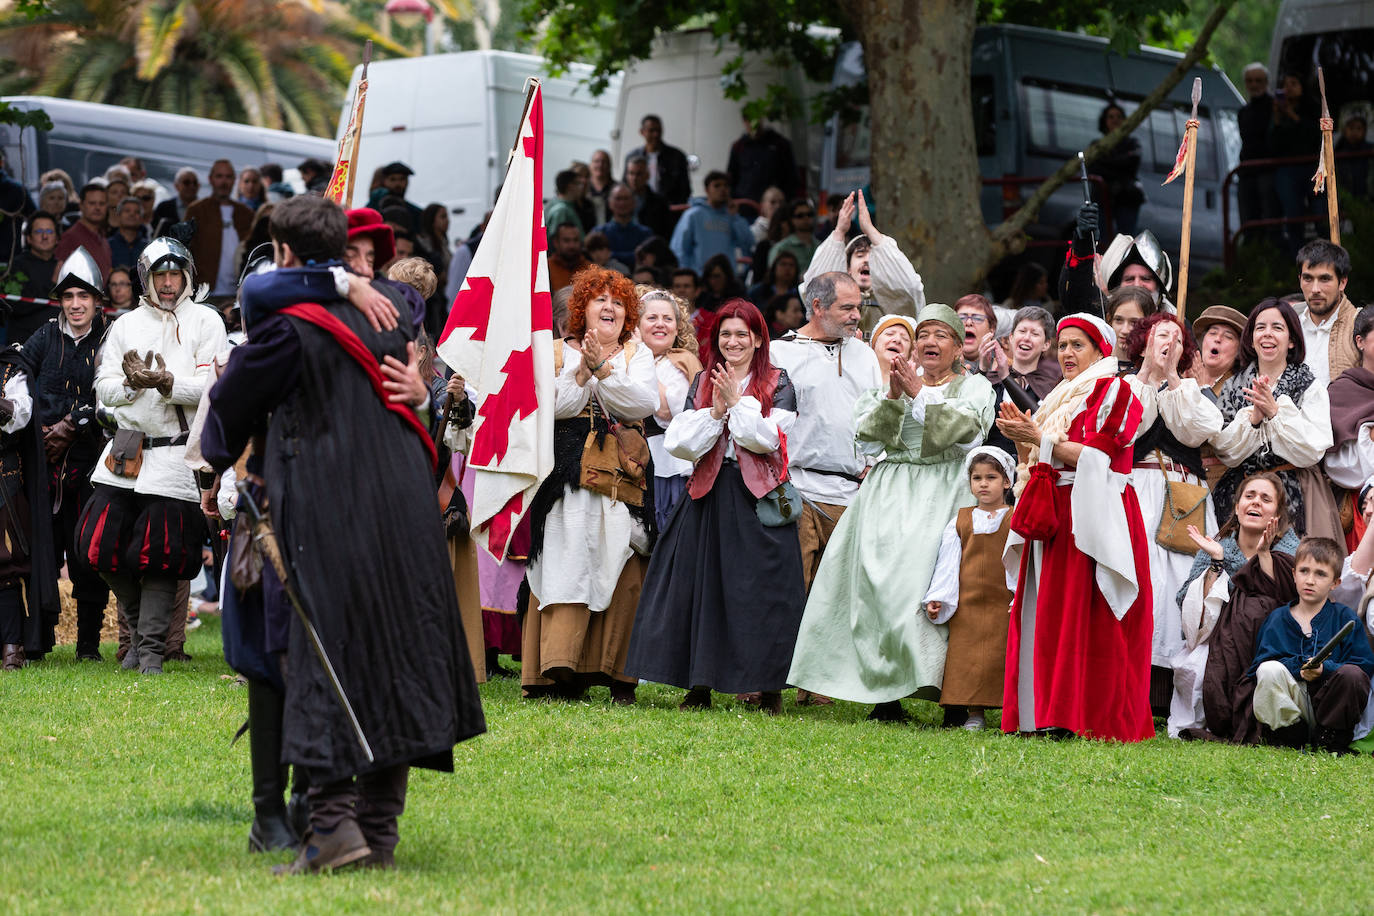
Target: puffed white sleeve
<point>630,393</point>
<point>569,398</point>
<point>1350,590</point>
<point>17,393</point>
<point>944,583</point>
<point>1191,416</point>
<point>1351,464</point>
<point>751,430</point>
<point>1303,435</point>
<point>110,389</point>
<point>829,256</point>
<point>1238,439</point>
<point>692,434</point>
<point>675,387</point>
<point>896,284</point>
<point>1201,609</point>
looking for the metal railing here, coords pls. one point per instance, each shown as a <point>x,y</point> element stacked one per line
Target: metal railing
<point>1257,165</point>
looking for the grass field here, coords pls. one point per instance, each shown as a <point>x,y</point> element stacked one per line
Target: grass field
<point>122,795</point>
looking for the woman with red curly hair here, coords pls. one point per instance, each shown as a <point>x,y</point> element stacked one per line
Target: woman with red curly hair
<point>703,621</point>
<point>1177,419</point>
<point>586,550</point>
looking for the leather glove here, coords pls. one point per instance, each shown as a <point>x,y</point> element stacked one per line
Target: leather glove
<point>151,373</point>
<point>1086,225</point>
<point>58,438</point>
<point>132,364</point>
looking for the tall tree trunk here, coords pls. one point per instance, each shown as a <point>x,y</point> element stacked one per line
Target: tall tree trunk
<point>918,57</point>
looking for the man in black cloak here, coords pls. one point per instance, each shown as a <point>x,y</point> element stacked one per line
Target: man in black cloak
<point>348,466</point>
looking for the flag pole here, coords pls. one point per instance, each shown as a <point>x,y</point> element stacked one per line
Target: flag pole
<point>340,187</point>
<point>1190,163</point>
<point>531,84</point>
<point>1328,125</point>
<point>360,103</point>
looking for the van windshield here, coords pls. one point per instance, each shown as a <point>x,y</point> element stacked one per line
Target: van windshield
<point>1347,61</point>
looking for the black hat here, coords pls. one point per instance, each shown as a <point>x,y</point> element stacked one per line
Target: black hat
<point>397,168</point>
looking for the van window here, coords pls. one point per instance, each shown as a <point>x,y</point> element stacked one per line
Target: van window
<point>853,142</point>
<point>1061,120</point>
<point>1166,134</point>
<point>1347,58</point>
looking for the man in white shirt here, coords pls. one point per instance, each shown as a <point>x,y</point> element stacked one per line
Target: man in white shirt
<point>830,367</point>
<point>1328,316</point>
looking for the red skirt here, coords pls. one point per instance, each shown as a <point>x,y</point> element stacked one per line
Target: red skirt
<point>1089,672</point>
<point>132,534</point>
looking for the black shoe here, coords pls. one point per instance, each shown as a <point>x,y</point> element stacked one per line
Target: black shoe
<point>176,655</point>
<point>1334,740</point>
<point>889,712</point>
<point>1295,736</point>
<point>271,832</point>
<point>696,698</point>
<point>89,655</point>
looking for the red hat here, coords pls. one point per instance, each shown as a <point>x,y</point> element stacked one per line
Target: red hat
<point>1098,331</point>
<point>367,221</point>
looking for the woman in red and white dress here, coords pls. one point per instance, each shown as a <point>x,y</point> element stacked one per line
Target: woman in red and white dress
<point>1078,650</point>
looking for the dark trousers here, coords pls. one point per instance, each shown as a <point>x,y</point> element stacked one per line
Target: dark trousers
<point>375,800</point>
<point>11,615</point>
<point>1338,700</point>
<point>148,603</point>
<point>88,588</point>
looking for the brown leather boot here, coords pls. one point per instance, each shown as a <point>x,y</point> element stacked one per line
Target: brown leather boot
<point>325,852</point>
<point>14,657</point>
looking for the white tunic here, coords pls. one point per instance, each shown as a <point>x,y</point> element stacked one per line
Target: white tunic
<point>1299,436</point>
<point>695,432</point>
<point>823,437</point>
<point>188,338</point>
<point>895,284</point>
<point>587,538</point>
<point>1350,465</point>
<point>675,385</point>
<point>1193,419</point>
<point>944,583</point>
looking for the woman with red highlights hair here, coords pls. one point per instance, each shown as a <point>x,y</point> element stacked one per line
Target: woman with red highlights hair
<point>703,622</point>
<point>1177,419</point>
<point>586,549</point>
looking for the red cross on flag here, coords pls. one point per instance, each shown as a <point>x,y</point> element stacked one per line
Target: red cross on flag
<point>499,338</point>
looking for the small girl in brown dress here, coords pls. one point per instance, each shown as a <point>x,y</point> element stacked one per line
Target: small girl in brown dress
<point>970,578</point>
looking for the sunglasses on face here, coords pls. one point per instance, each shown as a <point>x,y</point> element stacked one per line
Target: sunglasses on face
<point>146,197</point>
<point>42,232</point>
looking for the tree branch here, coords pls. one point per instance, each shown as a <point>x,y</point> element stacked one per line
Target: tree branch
<point>1010,229</point>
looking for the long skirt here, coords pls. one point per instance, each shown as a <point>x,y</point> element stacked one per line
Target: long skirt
<point>723,597</point>
<point>570,643</point>
<point>1070,663</point>
<point>462,555</point>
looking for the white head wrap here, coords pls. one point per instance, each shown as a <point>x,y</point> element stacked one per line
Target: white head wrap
<point>1006,461</point>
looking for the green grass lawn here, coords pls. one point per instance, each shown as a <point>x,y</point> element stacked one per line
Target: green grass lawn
<point>122,795</point>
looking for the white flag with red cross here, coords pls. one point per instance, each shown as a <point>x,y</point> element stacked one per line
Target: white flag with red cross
<point>499,338</point>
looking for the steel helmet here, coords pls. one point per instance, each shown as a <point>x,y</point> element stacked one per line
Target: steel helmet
<point>80,271</point>
<point>166,253</point>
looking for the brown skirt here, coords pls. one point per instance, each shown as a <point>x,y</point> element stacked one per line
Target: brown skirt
<point>976,658</point>
<point>462,555</point>
<point>567,643</point>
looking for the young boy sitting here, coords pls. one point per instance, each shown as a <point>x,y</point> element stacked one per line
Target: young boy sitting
<point>1328,699</point>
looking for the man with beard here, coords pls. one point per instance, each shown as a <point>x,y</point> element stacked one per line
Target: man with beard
<point>1128,261</point>
<point>1329,315</point>
<point>829,367</point>
<point>60,357</point>
<point>142,527</point>
<point>888,284</point>
<point>221,224</point>
<point>319,381</point>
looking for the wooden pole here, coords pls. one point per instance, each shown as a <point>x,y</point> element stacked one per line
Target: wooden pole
<point>1333,214</point>
<point>357,126</point>
<point>1190,167</point>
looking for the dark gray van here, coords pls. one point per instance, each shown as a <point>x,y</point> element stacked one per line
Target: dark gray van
<point>1037,95</point>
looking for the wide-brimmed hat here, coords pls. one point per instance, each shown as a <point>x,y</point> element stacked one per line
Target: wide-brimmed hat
<point>367,221</point>
<point>1219,314</point>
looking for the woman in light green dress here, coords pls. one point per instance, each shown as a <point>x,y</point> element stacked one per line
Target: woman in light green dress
<point>864,636</point>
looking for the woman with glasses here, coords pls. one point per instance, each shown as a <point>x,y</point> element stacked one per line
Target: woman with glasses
<point>981,352</point>
<point>37,264</point>
<point>801,242</point>
<point>119,292</point>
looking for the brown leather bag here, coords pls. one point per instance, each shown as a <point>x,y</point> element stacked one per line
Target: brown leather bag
<point>615,462</point>
<point>126,454</point>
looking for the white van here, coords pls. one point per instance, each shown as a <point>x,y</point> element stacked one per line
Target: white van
<point>681,82</point>
<point>87,138</point>
<point>453,118</point>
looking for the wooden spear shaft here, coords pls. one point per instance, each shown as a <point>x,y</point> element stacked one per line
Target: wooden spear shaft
<point>1333,215</point>
<point>1189,168</point>
<point>356,139</point>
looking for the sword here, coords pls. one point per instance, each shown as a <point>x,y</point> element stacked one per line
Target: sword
<point>266,541</point>
<point>1325,651</point>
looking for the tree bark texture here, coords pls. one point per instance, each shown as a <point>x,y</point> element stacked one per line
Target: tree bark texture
<point>925,180</point>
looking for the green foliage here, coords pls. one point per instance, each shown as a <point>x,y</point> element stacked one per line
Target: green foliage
<point>36,118</point>
<point>125,796</point>
<point>12,284</point>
